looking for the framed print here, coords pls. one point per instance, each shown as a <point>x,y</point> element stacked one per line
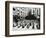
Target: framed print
<point>24,18</point>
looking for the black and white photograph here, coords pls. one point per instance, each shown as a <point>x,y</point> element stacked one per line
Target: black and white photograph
<point>24,18</point>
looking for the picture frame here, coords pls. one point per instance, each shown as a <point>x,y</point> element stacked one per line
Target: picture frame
<point>11,11</point>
